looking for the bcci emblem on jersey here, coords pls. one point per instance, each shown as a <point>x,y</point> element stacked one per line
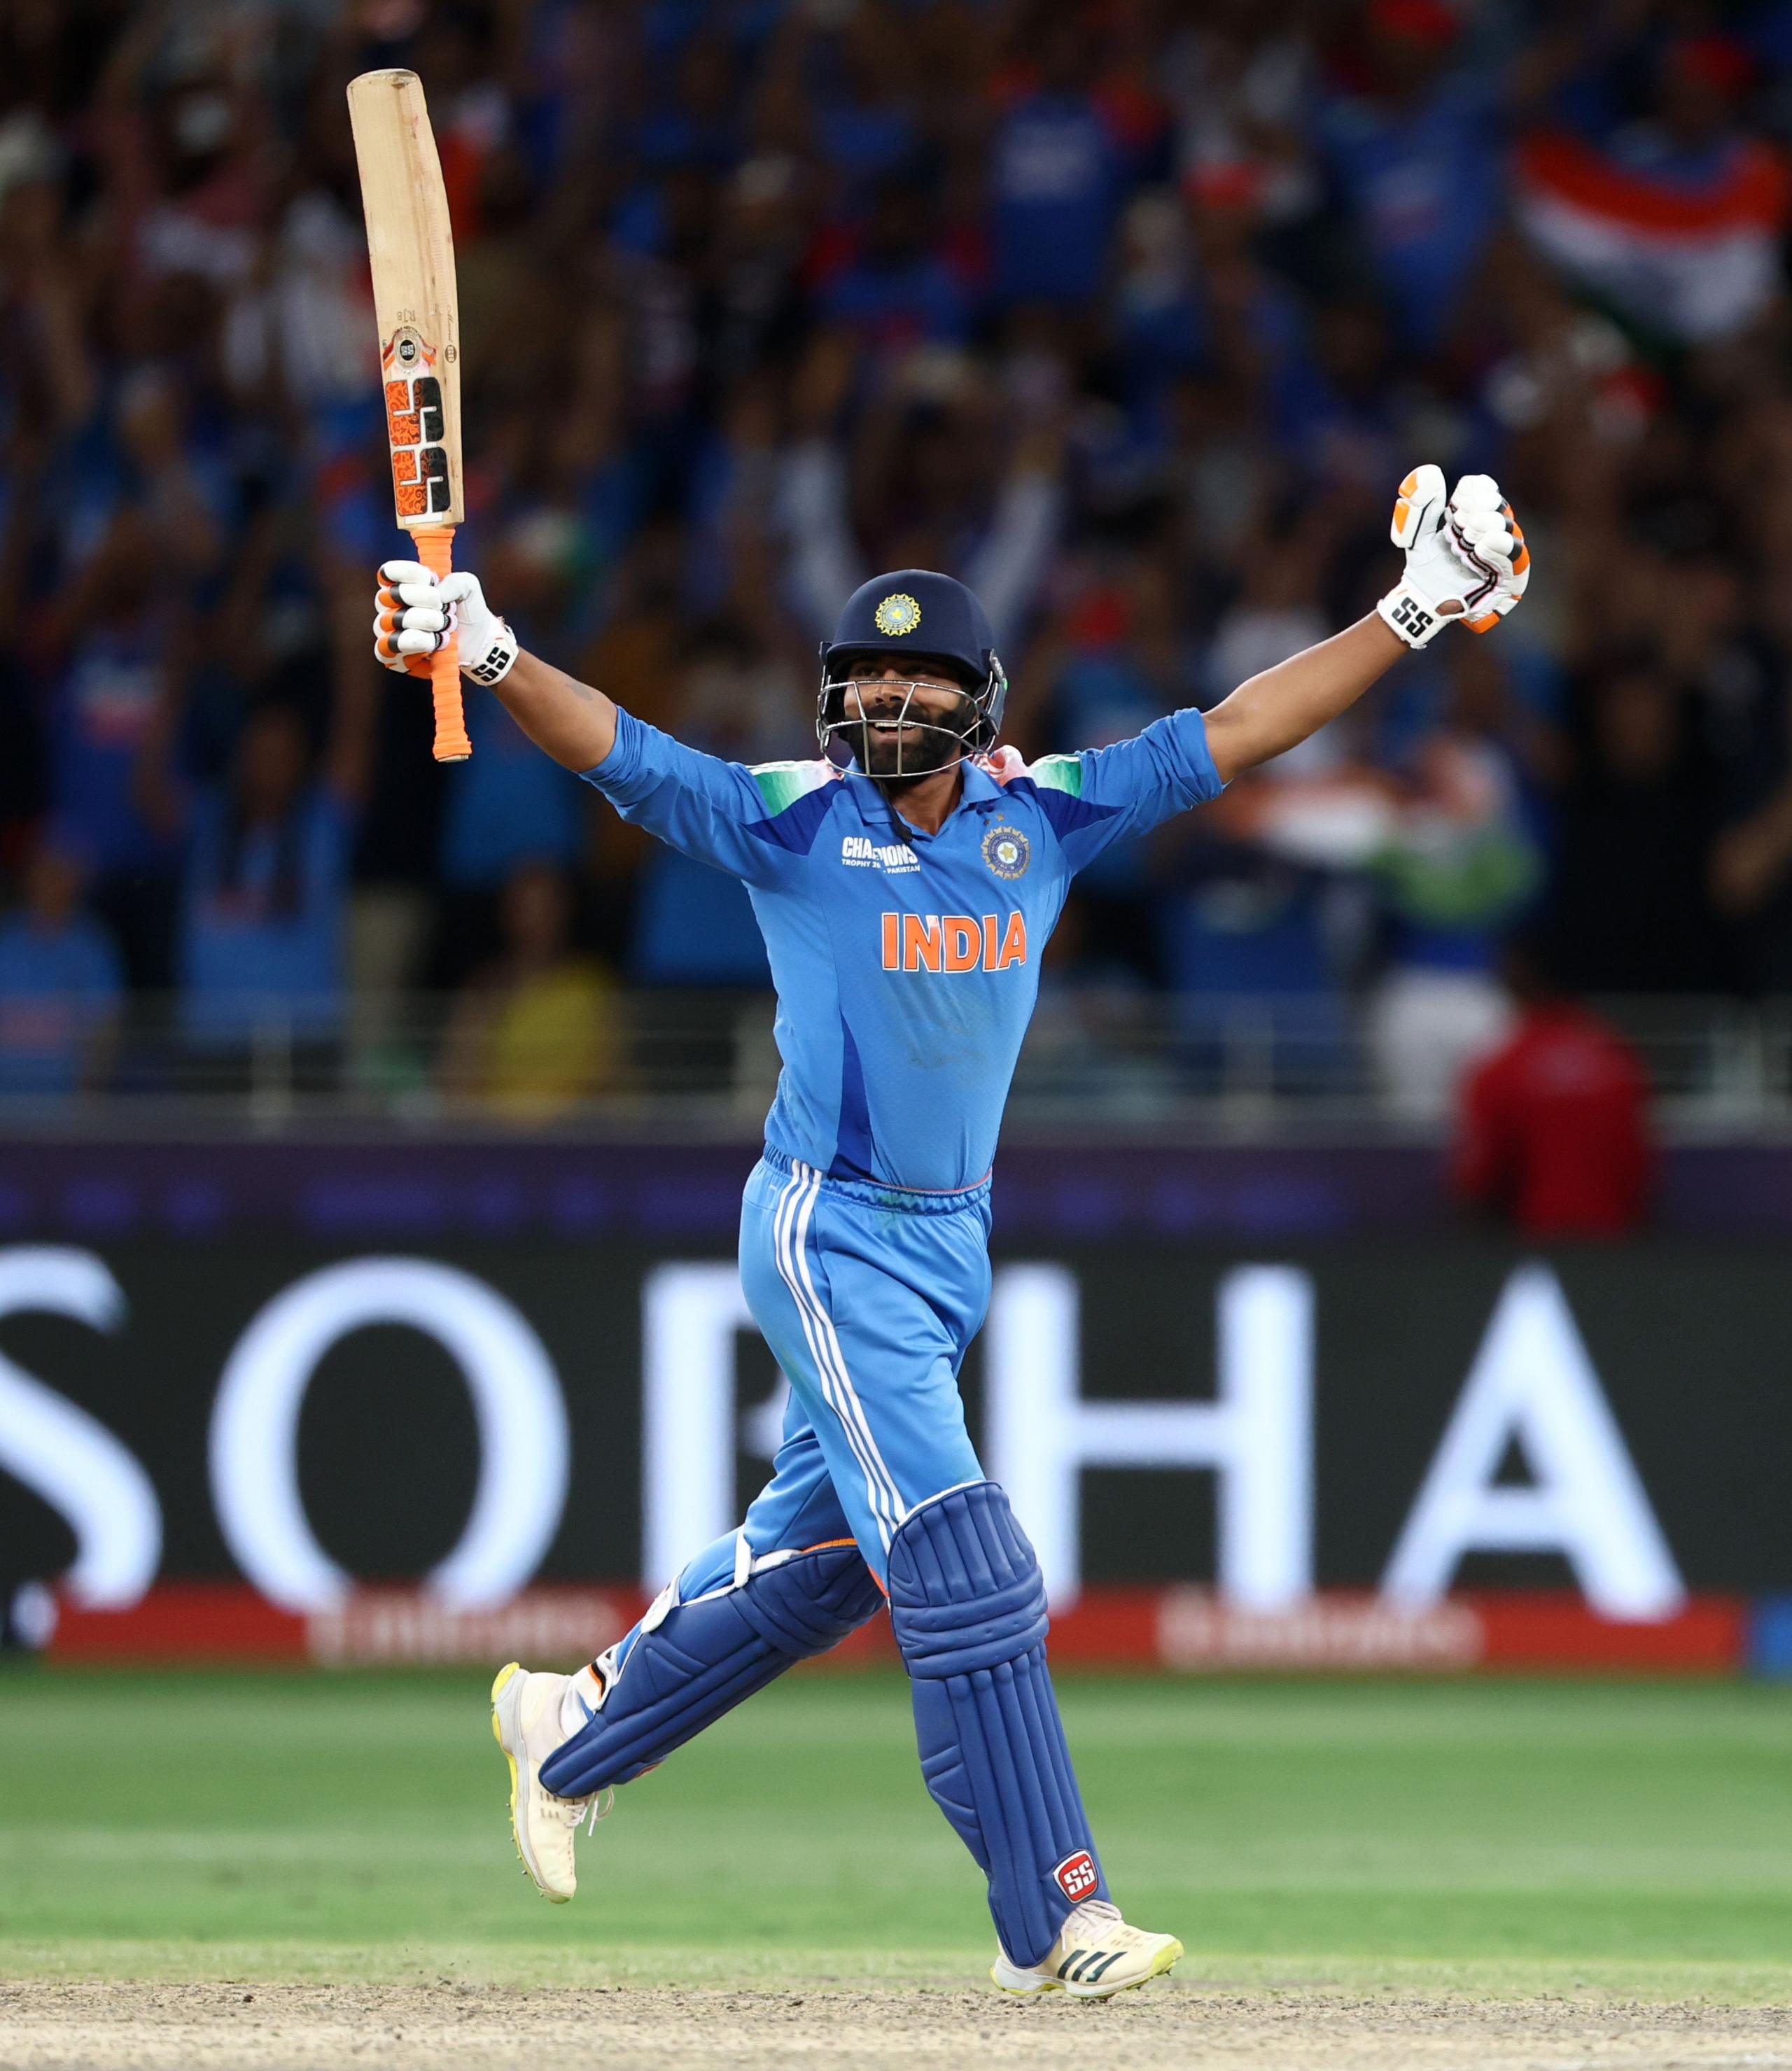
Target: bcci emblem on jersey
<point>897,616</point>
<point>1007,851</point>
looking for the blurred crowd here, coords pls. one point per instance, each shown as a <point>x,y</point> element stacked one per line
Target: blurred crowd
<point>1132,314</point>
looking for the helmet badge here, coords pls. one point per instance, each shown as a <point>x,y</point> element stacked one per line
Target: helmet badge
<point>897,616</point>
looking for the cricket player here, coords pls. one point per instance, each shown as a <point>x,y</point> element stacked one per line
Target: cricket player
<point>905,882</point>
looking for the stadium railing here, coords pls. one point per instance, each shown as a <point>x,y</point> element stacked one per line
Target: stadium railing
<point>1107,1059</point>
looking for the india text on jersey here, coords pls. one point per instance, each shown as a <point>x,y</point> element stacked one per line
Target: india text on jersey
<point>953,941</point>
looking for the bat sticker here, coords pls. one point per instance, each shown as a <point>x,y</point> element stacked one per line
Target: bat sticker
<point>416,426</point>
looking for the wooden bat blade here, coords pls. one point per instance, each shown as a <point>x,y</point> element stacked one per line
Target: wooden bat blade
<point>412,248</point>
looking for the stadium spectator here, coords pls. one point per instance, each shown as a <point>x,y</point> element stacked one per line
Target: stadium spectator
<point>509,805</point>
<point>536,1032</point>
<point>895,284</point>
<point>1240,76</point>
<point>1108,663</point>
<point>1553,1134</point>
<point>1413,139</point>
<point>866,120</point>
<point>1062,158</point>
<point>1632,910</point>
<point>925,478</point>
<point>117,635</point>
<point>61,985</point>
<point>1457,866</point>
<point>264,897</point>
<point>693,926</point>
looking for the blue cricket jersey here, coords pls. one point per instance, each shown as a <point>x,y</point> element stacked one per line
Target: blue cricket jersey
<point>906,964</point>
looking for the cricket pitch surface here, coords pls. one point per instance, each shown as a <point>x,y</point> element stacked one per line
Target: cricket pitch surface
<point>58,2026</point>
<point>200,1871</point>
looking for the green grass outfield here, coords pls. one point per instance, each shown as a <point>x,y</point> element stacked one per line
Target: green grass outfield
<point>1488,1836</point>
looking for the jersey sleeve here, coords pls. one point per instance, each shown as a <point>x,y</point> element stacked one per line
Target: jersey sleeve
<point>1104,795</point>
<point>753,823</point>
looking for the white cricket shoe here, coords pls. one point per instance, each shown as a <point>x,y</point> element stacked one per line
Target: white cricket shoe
<point>526,1723</point>
<point>1096,1956</point>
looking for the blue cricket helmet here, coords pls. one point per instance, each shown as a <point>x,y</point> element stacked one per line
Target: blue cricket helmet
<point>932,617</point>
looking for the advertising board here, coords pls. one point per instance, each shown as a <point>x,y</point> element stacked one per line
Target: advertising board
<point>1265,1428</point>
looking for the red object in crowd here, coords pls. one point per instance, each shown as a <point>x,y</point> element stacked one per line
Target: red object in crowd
<point>1719,61</point>
<point>1554,1128</point>
<point>1428,23</point>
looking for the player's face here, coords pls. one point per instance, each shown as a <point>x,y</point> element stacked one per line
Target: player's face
<point>900,702</point>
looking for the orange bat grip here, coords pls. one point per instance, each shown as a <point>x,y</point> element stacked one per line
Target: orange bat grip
<point>436,551</point>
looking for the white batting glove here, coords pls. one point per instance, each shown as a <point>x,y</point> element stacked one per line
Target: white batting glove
<point>414,611</point>
<point>1465,557</point>
<point>1485,531</point>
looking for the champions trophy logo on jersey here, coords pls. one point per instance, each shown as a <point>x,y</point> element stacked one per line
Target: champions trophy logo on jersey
<point>897,616</point>
<point>1007,851</point>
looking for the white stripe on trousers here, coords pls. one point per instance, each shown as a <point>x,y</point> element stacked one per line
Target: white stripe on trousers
<point>787,1238</point>
<point>790,1231</point>
<point>855,1409</point>
<point>881,1494</point>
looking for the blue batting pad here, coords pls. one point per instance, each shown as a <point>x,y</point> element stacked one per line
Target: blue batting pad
<point>968,1604</point>
<point>703,1657</point>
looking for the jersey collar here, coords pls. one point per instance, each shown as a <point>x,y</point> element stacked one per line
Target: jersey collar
<point>980,790</point>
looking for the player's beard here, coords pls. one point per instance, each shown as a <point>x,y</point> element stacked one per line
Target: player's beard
<point>916,748</point>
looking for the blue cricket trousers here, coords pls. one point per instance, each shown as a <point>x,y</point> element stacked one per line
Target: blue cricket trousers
<point>868,1308</point>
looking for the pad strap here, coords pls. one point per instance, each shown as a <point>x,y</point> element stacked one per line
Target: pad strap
<point>698,1660</point>
<point>967,1602</point>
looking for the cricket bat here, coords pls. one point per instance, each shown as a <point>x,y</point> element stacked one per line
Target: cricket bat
<point>412,248</point>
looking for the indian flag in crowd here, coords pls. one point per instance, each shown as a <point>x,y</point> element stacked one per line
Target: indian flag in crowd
<point>1691,251</point>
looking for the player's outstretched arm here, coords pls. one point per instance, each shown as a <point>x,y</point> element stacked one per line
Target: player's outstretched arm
<point>1272,713</point>
<point>1465,559</point>
<point>575,724</point>
<point>571,722</point>
<point>702,805</point>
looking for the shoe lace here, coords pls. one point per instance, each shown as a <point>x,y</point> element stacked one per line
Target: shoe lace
<point>1092,1923</point>
<point>1098,1920</point>
<point>585,1812</point>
